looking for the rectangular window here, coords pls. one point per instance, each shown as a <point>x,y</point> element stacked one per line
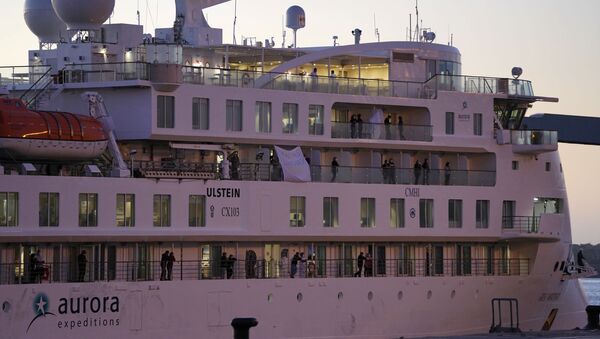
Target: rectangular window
<point>515,165</point>
<point>9,208</point>
<point>547,166</point>
<point>162,210</point>
<point>315,119</point>
<point>330,212</point>
<point>88,209</point>
<point>197,208</point>
<point>397,213</point>
<point>508,213</point>
<point>477,124</point>
<point>263,117</point>
<point>165,111</point>
<point>297,205</point>
<point>290,118</point>
<point>367,212</point>
<point>48,209</point>
<point>125,210</point>
<point>426,213</point>
<point>482,213</point>
<point>449,122</point>
<point>200,113</point>
<point>454,213</point>
<point>233,115</point>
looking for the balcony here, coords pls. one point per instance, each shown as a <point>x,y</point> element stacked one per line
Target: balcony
<point>520,224</point>
<point>479,84</point>
<point>141,270</point>
<point>533,142</point>
<point>377,131</point>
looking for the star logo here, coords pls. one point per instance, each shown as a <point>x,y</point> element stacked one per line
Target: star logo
<point>41,305</point>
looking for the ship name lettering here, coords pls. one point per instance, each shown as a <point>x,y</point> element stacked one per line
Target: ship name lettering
<point>412,192</point>
<point>222,192</point>
<point>230,211</point>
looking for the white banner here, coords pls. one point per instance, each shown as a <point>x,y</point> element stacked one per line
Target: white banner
<point>294,166</point>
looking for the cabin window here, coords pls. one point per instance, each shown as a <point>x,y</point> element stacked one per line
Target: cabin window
<point>403,57</point>
<point>367,212</point>
<point>315,119</point>
<point>508,213</point>
<point>455,213</point>
<point>515,165</point>
<point>548,166</point>
<point>449,122</point>
<point>397,213</point>
<point>330,212</point>
<point>9,209</point>
<point>263,117</point>
<point>88,209</point>
<point>200,113</point>
<point>125,210</point>
<point>166,111</point>
<point>233,115</point>
<point>197,211</point>
<point>48,209</point>
<point>162,210</point>
<point>289,118</point>
<point>426,213</point>
<point>482,213</point>
<point>297,211</point>
<point>477,124</point>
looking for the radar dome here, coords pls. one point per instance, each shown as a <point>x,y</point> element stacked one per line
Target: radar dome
<point>295,18</point>
<point>83,15</point>
<point>43,21</point>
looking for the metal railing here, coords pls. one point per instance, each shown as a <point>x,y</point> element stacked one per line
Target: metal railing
<point>63,272</point>
<point>343,174</point>
<point>13,76</point>
<point>380,131</point>
<point>479,84</point>
<point>529,137</point>
<point>520,224</point>
<point>120,71</point>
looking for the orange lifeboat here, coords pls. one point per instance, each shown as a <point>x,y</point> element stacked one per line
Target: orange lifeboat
<point>40,135</point>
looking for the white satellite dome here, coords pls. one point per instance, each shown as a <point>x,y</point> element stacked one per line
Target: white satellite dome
<point>43,21</point>
<point>83,15</point>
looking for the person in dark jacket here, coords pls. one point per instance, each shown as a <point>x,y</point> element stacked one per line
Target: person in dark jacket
<point>82,264</point>
<point>164,259</point>
<point>360,262</point>
<point>170,263</point>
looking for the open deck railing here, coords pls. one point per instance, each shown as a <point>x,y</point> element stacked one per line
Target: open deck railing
<point>13,76</point>
<point>379,131</point>
<point>63,272</point>
<point>520,224</point>
<point>478,84</point>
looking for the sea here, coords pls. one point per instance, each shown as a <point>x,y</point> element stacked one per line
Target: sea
<point>591,287</point>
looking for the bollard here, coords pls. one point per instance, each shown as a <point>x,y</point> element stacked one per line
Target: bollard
<point>593,315</point>
<point>241,327</point>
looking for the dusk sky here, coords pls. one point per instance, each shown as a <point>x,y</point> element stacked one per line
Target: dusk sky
<point>556,42</point>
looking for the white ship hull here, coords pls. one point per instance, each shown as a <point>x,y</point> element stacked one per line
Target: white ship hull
<point>328,308</point>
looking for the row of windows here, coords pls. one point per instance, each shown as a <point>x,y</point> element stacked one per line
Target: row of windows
<point>125,211</point>
<point>234,115</point>
<point>477,123</point>
<point>397,212</point>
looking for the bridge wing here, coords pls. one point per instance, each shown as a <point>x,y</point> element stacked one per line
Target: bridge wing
<point>571,129</point>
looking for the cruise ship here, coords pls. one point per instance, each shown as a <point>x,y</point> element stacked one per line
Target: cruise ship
<point>160,186</point>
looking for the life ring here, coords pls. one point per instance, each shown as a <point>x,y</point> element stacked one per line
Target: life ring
<point>245,78</point>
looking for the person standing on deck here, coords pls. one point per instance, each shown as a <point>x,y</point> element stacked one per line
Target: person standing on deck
<point>334,169</point>
<point>170,263</point>
<point>82,264</point>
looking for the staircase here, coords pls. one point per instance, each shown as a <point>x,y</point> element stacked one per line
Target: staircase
<point>42,92</point>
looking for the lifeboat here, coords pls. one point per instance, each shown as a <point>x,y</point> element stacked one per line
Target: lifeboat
<point>40,135</point>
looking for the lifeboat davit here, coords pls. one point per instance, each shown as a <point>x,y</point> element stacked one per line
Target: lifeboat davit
<point>40,135</point>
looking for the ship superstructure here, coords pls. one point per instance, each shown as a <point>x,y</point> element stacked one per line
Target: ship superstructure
<point>361,191</point>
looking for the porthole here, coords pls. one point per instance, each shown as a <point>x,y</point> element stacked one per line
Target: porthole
<point>555,266</point>
<point>340,295</point>
<point>6,306</point>
<point>400,295</point>
<point>370,295</point>
<point>429,294</point>
<point>299,297</point>
<point>270,297</point>
<point>452,294</point>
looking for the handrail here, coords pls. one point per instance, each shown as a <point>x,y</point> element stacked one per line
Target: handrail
<point>283,268</point>
<point>37,90</point>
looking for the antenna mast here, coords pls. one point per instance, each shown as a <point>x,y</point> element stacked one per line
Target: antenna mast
<point>234,21</point>
<point>417,30</point>
<point>376,29</point>
<point>283,33</point>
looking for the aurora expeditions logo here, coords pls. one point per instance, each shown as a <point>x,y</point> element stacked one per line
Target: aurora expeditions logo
<point>78,312</point>
<point>41,304</point>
